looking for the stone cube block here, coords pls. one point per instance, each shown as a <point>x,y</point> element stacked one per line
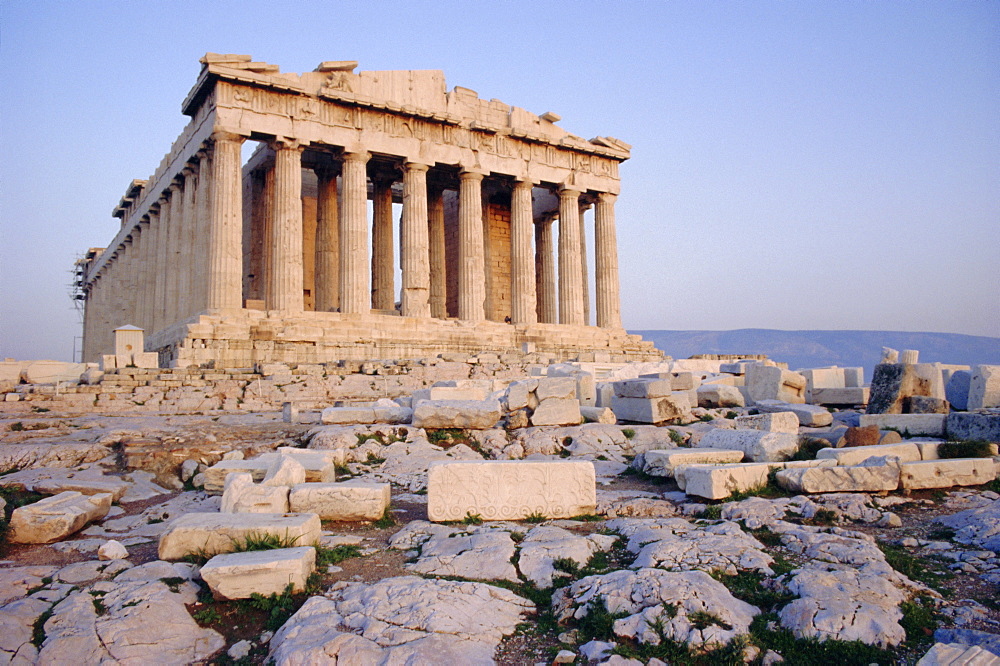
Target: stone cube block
<point>719,395</point>
<point>770,422</point>
<point>510,490</point>
<point>947,473</point>
<point>643,388</point>
<point>852,395</point>
<point>984,387</point>
<point>810,416</point>
<point>757,445</point>
<point>855,455</point>
<point>557,411</point>
<point>471,414</point>
<point>721,481</point>
<point>661,462</point>
<point>651,410</point>
<point>930,425</point>
<point>769,382</point>
<point>874,475</point>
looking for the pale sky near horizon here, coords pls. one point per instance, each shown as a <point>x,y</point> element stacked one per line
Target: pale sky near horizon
<point>795,165</point>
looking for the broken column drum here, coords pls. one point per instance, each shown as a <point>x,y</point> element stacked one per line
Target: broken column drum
<point>484,207</point>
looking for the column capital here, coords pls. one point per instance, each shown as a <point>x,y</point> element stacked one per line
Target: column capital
<point>327,169</point>
<point>416,166</point>
<point>566,191</point>
<point>286,143</point>
<point>223,135</point>
<point>521,182</point>
<point>471,174</point>
<point>174,187</point>
<point>356,156</point>
<point>163,199</point>
<point>605,197</point>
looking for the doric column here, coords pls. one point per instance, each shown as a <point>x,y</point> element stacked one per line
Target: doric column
<point>127,280</point>
<point>225,243</point>
<point>163,267</point>
<point>545,272</point>
<point>584,277</point>
<point>327,264</point>
<point>606,263</point>
<point>522,262</point>
<point>173,253</point>
<point>570,269</point>
<point>284,280</point>
<point>438,263</point>
<point>186,235</point>
<point>354,294</point>
<point>139,243</point>
<point>203,216</point>
<point>148,284</point>
<point>471,263</point>
<point>383,264</point>
<point>414,250</point>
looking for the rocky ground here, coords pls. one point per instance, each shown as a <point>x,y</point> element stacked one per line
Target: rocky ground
<point>840,577</point>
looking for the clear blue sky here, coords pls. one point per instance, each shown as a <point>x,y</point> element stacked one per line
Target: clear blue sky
<point>796,165</point>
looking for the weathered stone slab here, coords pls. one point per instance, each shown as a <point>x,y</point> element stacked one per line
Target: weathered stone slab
<point>51,372</point>
<point>770,422</point>
<point>451,393</point>
<point>55,480</point>
<point>852,395</point>
<point>662,462</point>
<point>719,395</point>
<point>893,383</point>
<point>855,455</point>
<point>471,414</point>
<point>721,481</point>
<point>873,475</point>
<point>956,391</point>
<point>54,518</point>
<point>974,426</point>
<point>510,490</point>
<point>644,388</point>
<point>947,473</point>
<point>239,575</point>
<point>557,411</point>
<point>347,500</point>
<point>923,404</point>
<point>214,533</point>
<point>556,387</point>
<point>381,411</point>
<point>956,654</point>
<point>984,387</point>
<point>810,416</point>
<point>758,445</point>
<point>931,425</point>
<point>651,410</point>
<point>284,471</point>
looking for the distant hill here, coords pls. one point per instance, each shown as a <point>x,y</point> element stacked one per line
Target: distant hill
<point>811,349</point>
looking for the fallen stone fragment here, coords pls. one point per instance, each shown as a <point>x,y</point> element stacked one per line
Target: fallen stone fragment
<point>769,382</point>
<point>112,550</point>
<point>770,422</point>
<point>974,426</point>
<point>318,467</point>
<point>855,455</point>
<point>285,471</point>
<point>242,495</point>
<point>381,411</point>
<point>603,415</point>
<point>651,597</point>
<point>214,533</point>
<point>674,407</point>
<point>911,425</point>
<point>719,395</point>
<point>240,575</point>
<point>947,473</point>
<point>510,490</point>
<point>56,517</point>
<point>346,500</point>
<point>984,387</point>
<point>557,411</point>
<point>400,620</point>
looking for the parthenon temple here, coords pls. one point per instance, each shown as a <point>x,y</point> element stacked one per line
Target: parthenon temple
<point>236,253</point>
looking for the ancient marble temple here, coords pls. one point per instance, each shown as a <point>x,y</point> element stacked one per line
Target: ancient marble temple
<point>271,230</point>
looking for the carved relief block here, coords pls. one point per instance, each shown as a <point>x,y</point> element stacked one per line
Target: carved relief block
<point>510,490</point>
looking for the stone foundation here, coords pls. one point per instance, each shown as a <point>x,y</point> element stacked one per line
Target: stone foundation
<point>242,338</point>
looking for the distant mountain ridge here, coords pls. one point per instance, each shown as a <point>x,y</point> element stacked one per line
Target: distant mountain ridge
<point>812,349</point>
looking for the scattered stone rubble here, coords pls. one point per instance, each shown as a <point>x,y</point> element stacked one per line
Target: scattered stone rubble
<point>548,455</point>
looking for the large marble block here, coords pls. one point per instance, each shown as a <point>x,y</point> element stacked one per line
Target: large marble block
<point>768,382</point>
<point>984,387</point>
<point>855,455</point>
<point>348,500</point>
<point>651,410</point>
<point>719,395</point>
<point>319,467</point>
<point>874,475</point>
<point>810,416</point>
<point>240,575</point>
<point>557,411</point>
<point>661,462</point>
<point>974,426</point>
<point>758,445</point>
<point>473,414</point>
<point>214,533</point>
<point>930,425</point>
<point>510,490</point>
<point>770,422</point>
<point>643,388</point>
<point>850,395</point>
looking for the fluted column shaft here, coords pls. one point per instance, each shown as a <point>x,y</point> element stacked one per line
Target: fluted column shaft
<point>545,266</point>
<point>383,264</point>
<point>606,263</point>
<point>584,277</point>
<point>127,281</point>
<point>148,276</point>
<point>522,262</point>
<point>163,267</point>
<point>284,281</point>
<point>174,253</point>
<point>187,236</point>
<point>414,250</point>
<point>225,243</point>
<point>203,215</point>
<point>327,263</point>
<point>437,254</point>
<point>139,251</point>
<point>570,268</point>
<point>354,294</point>
<point>471,262</point>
